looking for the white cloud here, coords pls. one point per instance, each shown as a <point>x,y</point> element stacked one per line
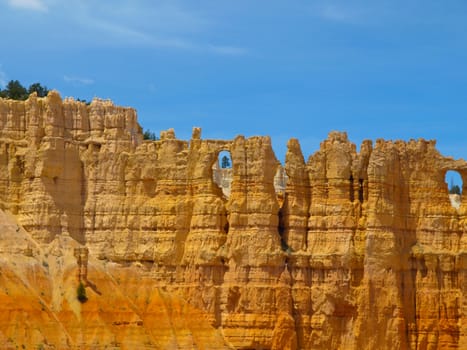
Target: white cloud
<point>34,5</point>
<point>78,80</point>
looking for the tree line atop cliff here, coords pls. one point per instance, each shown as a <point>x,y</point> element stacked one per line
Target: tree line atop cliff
<point>16,91</point>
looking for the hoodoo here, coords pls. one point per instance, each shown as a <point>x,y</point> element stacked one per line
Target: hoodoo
<point>345,250</point>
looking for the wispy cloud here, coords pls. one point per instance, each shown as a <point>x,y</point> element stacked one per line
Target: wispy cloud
<point>152,88</point>
<point>136,37</point>
<point>78,80</point>
<point>339,13</point>
<point>33,5</point>
<point>158,25</point>
<point>228,50</point>
<point>153,24</point>
<point>125,34</point>
<point>363,12</point>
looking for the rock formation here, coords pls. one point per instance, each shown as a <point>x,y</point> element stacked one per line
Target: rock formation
<point>347,250</point>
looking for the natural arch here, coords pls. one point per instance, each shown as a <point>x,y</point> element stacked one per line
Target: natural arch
<point>280,184</point>
<point>454,185</point>
<point>222,172</point>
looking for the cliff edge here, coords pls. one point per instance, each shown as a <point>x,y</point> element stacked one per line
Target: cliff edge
<point>352,250</point>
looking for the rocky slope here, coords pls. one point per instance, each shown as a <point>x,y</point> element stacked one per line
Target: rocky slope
<point>361,250</point>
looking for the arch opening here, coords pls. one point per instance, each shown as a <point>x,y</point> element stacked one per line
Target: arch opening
<point>280,184</point>
<point>222,172</point>
<point>454,183</point>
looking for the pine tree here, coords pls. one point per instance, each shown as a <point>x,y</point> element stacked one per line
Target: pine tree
<point>225,162</point>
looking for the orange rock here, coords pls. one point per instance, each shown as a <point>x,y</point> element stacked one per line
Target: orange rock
<point>349,250</point>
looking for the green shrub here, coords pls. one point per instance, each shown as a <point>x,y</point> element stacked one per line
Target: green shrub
<point>81,293</point>
<point>455,189</point>
<point>149,135</point>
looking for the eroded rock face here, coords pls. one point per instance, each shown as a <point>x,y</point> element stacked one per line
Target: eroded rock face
<point>361,250</point>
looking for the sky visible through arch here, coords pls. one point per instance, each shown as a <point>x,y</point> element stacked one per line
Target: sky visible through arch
<point>453,178</point>
<point>376,69</point>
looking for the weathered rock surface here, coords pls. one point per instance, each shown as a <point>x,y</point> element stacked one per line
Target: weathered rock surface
<point>359,250</point>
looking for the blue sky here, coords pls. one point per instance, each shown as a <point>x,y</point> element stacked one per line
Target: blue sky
<point>376,69</point>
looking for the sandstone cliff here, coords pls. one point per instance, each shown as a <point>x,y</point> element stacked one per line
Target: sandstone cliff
<point>357,250</point>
